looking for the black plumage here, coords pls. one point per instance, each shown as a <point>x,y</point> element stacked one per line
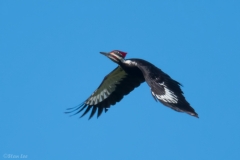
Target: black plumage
<point>128,75</point>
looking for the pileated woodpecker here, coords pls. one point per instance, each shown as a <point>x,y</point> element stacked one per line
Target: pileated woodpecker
<point>129,74</point>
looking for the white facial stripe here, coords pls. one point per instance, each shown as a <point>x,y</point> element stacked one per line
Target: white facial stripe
<point>115,55</point>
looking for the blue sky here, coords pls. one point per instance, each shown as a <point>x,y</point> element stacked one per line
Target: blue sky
<point>50,61</point>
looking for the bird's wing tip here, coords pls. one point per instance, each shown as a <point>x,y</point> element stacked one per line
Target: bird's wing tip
<point>195,115</point>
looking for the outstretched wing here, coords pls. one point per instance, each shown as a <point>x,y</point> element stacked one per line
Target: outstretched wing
<point>112,89</point>
<point>164,88</point>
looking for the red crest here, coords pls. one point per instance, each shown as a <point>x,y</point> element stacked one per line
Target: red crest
<point>122,53</point>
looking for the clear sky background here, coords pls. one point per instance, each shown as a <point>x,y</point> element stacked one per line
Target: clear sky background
<point>50,61</point>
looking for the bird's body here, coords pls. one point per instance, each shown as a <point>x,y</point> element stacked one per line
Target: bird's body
<point>128,75</point>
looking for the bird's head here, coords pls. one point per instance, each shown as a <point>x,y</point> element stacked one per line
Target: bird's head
<point>115,55</point>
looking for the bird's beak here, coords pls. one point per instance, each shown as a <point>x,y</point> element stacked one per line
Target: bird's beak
<point>110,56</point>
<point>105,54</point>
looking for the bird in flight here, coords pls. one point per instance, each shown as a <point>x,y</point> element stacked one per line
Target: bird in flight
<point>129,74</point>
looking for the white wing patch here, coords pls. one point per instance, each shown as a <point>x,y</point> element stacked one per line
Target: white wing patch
<point>169,95</point>
<point>93,100</point>
<point>107,87</point>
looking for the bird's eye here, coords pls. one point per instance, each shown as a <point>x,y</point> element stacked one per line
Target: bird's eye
<point>118,53</point>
